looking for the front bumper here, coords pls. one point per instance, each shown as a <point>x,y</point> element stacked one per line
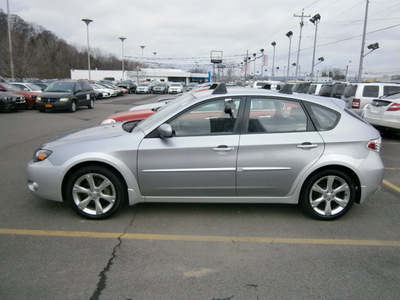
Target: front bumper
<point>57,105</point>
<point>44,180</point>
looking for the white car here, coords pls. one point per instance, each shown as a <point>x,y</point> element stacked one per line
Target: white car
<point>101,92</point>
<point>143,88</point>
<point>25,86</point>
<point>384,112</point>
<point>175,88</point>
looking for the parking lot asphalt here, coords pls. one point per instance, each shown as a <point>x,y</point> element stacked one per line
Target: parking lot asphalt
<point>186,251</point>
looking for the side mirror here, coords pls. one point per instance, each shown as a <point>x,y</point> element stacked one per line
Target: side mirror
<point>165,131</point>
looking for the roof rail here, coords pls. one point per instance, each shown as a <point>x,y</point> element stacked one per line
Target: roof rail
<point>220,89</point>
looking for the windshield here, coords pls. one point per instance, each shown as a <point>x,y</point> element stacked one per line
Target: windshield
<point>60,87</point>
<point>166,110</point>
<point>10,87</point>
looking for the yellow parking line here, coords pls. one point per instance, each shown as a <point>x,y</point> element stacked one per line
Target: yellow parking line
<point>391,185</point>
<point>201,238</point>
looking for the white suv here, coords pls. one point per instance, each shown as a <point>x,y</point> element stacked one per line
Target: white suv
<point>360,94</point>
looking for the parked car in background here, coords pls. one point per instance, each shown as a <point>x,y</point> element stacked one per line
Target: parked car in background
<point>191,86</point>
<point>25,86</point>
<point>360,94</point>
<point>66,95</point>
<point>175,88</point>
<point>30,97</point>
<point>128,85</point>
<point>11,102</point>
<point>143,88</point>
<point>113,92</point>
<point>222,145</point>
<point>314,88</point>
<point>102,92</point>
<point>160,88</point>
<point>384,112</point>
<point>42,85</point>
<point>301,87</point>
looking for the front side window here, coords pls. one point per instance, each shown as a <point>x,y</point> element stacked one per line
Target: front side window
<point>210,118</point>
<point>275,115</point>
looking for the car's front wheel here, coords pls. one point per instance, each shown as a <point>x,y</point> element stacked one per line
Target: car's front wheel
<point>72,107</point>
<point>91,103</point>
<point>95,192</point>
<point>328,195</point>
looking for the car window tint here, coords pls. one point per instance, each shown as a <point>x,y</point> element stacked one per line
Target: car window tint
<point>371,91</point>
<point>323,117</point>
<point>390,90</point>
<point>275,115</point>
<point>215,117</point>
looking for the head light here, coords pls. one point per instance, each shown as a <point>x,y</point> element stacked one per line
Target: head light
<point>41,154</point>
<point>64,99</point>
<point>108,121</point>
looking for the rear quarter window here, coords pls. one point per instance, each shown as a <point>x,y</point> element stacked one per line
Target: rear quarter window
<point>323,118</point>
<point>390,90</point>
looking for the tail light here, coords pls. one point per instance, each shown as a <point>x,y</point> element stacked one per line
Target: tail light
<point>394,107</point>
<point>356,103</point>
<point>375,145</point>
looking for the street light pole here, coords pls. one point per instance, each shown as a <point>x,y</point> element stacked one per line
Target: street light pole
<point>142,58</point>
<point>273,61</point>
<point>123,66</point>
<point>9,41</point>
<point>289,35</point>
<point>315,20</point>
<point>298,50</point>
<point>88,21</point>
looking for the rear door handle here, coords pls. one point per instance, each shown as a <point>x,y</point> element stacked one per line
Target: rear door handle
<point>307,146</point>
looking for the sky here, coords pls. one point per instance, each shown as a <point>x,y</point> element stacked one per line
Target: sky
<point>185,32</point>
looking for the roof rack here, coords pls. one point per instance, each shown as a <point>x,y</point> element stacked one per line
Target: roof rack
<point>220,89</point>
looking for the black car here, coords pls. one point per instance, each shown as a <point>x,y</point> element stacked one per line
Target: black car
<point>129,85</point>
<point>66,95</point>
<point>11,101</point>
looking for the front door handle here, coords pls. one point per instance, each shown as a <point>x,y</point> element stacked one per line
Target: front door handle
<point>223,148</point>
<point>307,146</point>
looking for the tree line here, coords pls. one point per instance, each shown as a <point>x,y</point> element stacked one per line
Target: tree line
<point>39,53</point>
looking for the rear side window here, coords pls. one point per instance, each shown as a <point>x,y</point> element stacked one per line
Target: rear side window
<point>350,91</point>
<point>391,90</point>
<point>323,117</point>
<point>371,91</point>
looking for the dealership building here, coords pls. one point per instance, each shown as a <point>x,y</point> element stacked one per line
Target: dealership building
<point>163,75</point>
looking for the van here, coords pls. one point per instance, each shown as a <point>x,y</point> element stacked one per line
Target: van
<point>358,95</point>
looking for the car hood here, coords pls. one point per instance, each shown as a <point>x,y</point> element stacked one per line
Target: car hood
<point>130,115</point>
<point>10,94</point>
<point>85,135</point>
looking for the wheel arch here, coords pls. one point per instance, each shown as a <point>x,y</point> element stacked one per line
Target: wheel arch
<point>93,163</point>
<point>353,175</point>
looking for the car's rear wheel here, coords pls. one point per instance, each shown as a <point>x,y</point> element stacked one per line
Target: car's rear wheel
<point>328,195</point>
<point>72,107</point>
<point>95,192</point>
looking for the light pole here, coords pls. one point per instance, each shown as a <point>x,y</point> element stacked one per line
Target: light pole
<point>155,53</point>
<point>255,58</point>
<point>273,61</point>
<point>360,67</point>
<point>262,63</point>
<point>88,21</point>
<point>9,40</point>
<point>142,58</point>
<point>315,20</point>
<point>123,66</point>
<point>289,34</point>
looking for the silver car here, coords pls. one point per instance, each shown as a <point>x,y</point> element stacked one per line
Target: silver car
<point>236,145</point>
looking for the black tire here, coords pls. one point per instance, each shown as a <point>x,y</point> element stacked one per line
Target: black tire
<point>72,107</point>
<point>91,103</point>
<point>95,192</point>
<point>328,195</point>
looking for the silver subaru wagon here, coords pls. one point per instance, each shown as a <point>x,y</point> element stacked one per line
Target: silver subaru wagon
<point>226,145</point>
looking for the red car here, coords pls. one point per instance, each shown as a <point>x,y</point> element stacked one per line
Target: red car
<point>30,97</point>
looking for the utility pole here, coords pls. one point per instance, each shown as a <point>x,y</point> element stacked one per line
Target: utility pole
<point>360,68</point>
<point>301,29</point>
